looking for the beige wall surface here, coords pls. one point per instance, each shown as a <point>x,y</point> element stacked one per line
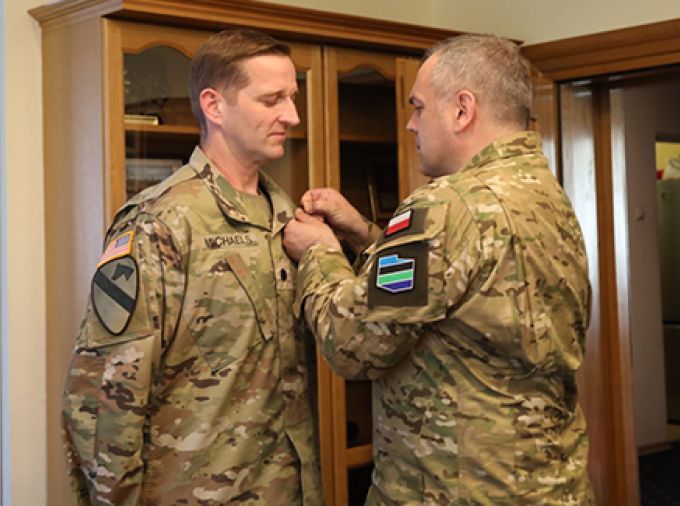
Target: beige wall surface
<point>532,21</point>
<point>24,462</point>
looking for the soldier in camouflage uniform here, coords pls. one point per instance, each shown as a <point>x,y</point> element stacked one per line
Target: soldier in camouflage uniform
<point>469,310</point>
<point>188,383</point>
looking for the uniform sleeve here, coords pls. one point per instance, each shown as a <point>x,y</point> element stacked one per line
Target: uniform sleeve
<point>123,334</point>
<point>365,323</point>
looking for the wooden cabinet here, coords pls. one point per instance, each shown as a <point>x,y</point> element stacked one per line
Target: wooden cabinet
<point>117,118</point>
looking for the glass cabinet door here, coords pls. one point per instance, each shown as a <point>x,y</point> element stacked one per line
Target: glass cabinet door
<point>160,129</point>
<point>362,162</point>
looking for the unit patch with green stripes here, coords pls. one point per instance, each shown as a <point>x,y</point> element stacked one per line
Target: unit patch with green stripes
<point>399,276</point>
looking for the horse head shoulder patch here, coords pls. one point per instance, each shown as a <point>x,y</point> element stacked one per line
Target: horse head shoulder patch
<point>114,293</point>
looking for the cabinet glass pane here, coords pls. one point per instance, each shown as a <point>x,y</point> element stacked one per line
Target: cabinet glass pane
<point>369,180</point>
<point>358,483</point>
<point>368,142</point>
<point>156,86</point>
<point>160,130</point>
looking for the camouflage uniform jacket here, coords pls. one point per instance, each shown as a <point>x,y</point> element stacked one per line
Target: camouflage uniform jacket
<point>202,397</point>
<point>469,313</point>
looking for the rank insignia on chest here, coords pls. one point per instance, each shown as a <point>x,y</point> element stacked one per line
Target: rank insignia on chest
<point>399,222</point>
<point>395,274</point>
<point>114,293</point>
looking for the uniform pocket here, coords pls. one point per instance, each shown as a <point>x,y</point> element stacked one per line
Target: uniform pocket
<point>220,311</point>
<point>80,406</point>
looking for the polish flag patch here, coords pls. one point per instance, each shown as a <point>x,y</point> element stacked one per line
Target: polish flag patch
<point>399,222</point>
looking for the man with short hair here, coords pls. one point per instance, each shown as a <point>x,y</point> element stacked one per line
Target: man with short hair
<point>469,310</point>
<point>188,384</point>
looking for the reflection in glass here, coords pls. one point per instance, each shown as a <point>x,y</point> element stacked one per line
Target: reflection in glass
<point>368,142</point>
<point>156,85</point>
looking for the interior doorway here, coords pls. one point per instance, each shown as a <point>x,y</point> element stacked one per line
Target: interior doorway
<point>609,127</point>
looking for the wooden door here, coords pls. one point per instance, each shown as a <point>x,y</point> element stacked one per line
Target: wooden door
<point>604,380</point>
<point>371,159</point>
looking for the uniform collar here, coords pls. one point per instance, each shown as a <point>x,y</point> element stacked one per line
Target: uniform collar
<point>227,197</point>
<point>515,144</point>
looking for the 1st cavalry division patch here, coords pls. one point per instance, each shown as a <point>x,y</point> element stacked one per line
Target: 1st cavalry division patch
<point>114,293</point>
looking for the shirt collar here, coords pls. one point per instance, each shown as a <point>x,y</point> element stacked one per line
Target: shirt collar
<point>227,197</point>
<point>514,144</point>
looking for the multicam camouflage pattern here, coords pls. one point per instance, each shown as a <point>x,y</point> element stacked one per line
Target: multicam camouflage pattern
<point>203,399</point>
<point>474,398</point>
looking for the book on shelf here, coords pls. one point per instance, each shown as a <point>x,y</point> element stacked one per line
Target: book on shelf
<point>141,119</point>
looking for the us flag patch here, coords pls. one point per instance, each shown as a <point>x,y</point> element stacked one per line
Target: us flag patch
<point>118,247</point>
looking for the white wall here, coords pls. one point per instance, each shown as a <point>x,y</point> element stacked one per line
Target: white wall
<point>649,110</point>
<point>24,461</point>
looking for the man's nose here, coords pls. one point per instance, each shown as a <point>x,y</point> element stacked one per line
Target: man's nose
<point>411,125</point>
<point>289,115</point>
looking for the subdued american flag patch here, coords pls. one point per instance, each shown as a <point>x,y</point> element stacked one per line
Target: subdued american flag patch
<point>118,247</point>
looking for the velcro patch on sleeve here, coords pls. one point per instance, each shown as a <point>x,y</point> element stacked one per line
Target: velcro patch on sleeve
<point>119,246</point>
<point>114,293</point>
<point>409,222</point>
<point>398,276</point>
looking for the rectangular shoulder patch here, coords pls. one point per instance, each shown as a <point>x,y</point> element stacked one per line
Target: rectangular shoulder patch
<point>409,222</point>
<point>398,276</point>
<point>399,222</point>
<point>119,246</point>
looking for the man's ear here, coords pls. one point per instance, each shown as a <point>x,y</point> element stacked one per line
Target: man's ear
<point>464,109</point>
<point>211,104</point>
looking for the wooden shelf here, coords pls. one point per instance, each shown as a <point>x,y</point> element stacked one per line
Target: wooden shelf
<point>191,130</point>
<point>359,456</point>
<point>377,137</point>
<point>163,129</point>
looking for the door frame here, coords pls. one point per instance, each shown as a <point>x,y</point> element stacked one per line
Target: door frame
<point>592,57</point>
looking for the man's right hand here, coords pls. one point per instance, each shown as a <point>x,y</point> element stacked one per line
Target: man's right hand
<point>343,218</point>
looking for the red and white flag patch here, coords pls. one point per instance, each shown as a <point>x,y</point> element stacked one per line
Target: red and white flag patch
<point>399,222</point>
<point>118,247</point>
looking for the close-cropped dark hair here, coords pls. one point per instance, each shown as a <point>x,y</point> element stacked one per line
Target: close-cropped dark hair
<point>217,64</point>
<point>492,68</point>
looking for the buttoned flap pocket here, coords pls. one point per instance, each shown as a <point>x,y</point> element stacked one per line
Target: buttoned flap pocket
<point>80,406</point>
<point>406,268</point>
<point>224,309</point>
